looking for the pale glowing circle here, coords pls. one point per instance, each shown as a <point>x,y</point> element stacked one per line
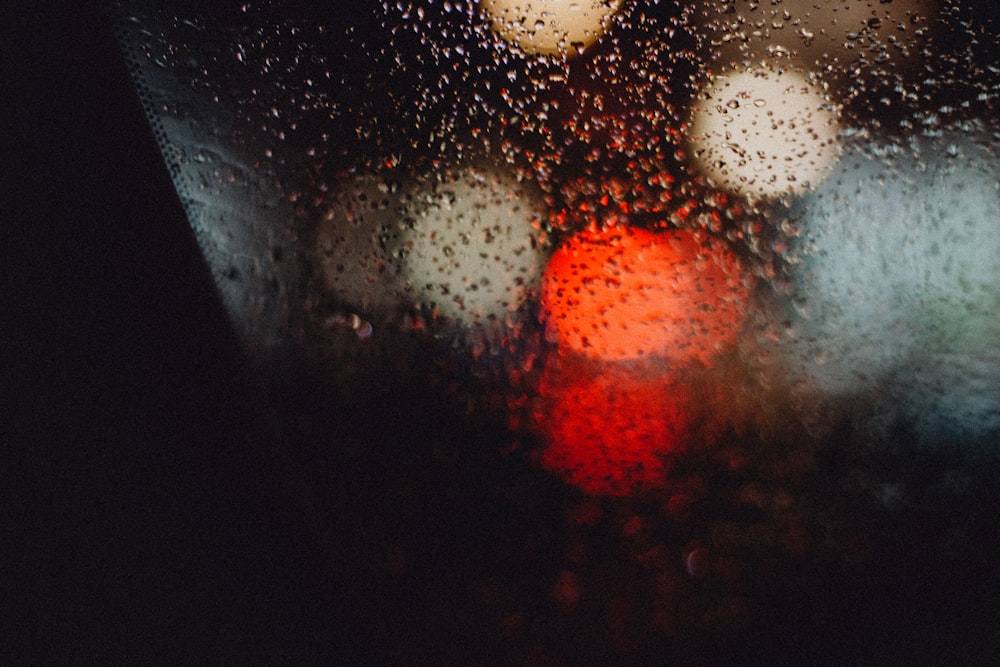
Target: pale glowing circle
<point>550,26</point>
<point>897,285</point>
<point>358,225</point>
<point>473,248</point>
<point>764,132</point>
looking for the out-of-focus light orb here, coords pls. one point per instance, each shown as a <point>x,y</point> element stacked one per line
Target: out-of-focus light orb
<point>550,27</point>
<point>607,428</point>
<point>358,226</point>
<point>473,245</point>
<point>764,132</point>
<point>816,34</point>
<point>897,284</point>
<point>625,293</point>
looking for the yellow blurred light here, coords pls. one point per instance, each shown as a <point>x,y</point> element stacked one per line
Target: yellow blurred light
<point>550,27</point>
<point>763,132</point>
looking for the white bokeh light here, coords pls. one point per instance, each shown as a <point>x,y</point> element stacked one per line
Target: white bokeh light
<point>474,248</point>
<point>763,132</point>
<point>361,221</point>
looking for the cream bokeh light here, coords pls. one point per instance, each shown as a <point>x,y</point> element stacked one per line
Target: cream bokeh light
<point>763,132</point>
<point>550,27</point>
<point>358,270</point>
<point>474,248</point>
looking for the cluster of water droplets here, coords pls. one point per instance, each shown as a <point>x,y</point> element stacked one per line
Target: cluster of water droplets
<point>380,188</point>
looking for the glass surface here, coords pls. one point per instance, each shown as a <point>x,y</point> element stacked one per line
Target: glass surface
<point>612,331</point>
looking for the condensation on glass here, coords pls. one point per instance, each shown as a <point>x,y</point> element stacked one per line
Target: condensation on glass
<point>703,266</point>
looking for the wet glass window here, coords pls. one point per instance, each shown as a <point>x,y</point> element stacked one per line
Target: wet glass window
<point>612,330</point>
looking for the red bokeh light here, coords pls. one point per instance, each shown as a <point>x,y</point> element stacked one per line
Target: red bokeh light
<point>609,427</point>
<point>637,315</point>
<point>624,293</point>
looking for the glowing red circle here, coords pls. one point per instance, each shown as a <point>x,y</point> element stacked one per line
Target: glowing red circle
<point>608,429</point>
<point>624,293</point>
